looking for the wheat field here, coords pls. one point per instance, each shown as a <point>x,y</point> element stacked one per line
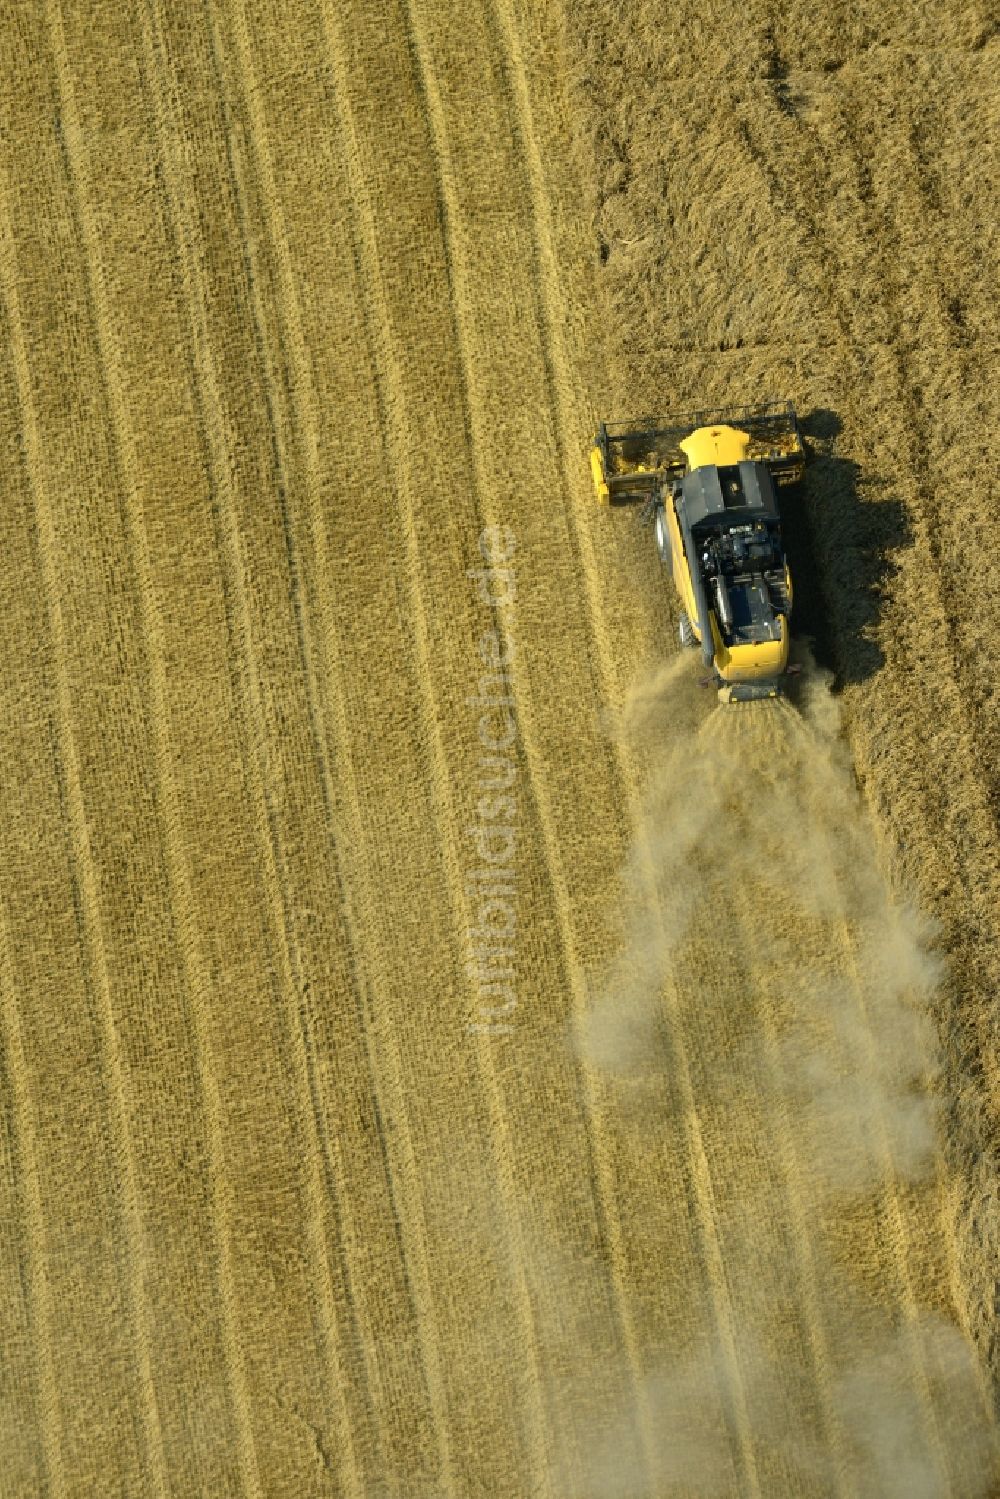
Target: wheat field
<point>442,1053</point>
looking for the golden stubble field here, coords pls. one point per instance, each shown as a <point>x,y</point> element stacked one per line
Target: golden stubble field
<point>440,1053</point>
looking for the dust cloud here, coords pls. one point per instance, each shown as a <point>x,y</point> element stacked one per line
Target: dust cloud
<point>769,1016</point>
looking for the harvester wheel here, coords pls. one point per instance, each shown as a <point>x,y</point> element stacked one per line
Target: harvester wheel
<point>685,630</point>
<point>662,534</point>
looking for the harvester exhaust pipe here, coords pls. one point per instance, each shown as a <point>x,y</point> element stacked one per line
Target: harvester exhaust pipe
<point>722,602</point>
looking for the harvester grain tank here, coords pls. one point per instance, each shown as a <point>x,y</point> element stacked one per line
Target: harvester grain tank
<point>709,481</point>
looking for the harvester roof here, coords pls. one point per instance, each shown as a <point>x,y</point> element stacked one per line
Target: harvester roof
<point>735,492</point>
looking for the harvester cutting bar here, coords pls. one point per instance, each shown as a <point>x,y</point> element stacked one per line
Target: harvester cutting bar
<point>641,455</point>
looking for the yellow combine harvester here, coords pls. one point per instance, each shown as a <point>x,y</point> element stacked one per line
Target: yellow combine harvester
<point>708,480</point>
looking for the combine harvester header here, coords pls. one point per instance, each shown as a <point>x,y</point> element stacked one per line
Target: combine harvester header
<point>709,480</point>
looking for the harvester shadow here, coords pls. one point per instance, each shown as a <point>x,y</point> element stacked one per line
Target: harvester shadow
<point>841,543</point>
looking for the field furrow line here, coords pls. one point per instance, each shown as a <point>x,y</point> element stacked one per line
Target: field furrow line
<point>279,420</point>
<point>604,1193</point>
<point>131,1263</point>
<point>566,407</point>
<point>378,318</point>
<point>25,1148</point>
<point>900,1237</point>
<point>706,1213</point>
<point>792,1166</point>
<point>21,1435</point>
<point>409,1225</point>
<point>320,663</point>
<point>171,825</point>
<point>718,1283</point>
<point>218,449</point>
<point>40,1309</point>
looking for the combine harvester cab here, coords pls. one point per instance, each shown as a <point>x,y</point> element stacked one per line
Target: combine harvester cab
<point>709,481</point>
